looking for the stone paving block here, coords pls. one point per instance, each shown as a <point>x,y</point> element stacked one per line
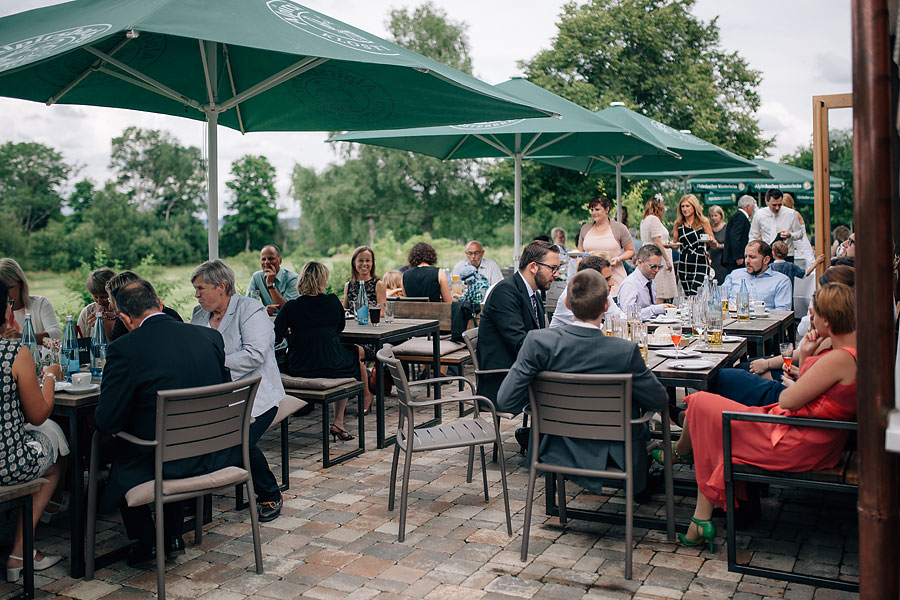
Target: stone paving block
<point>89,590</point>
<point>453,592</point>
<point>676,561</point>
<point>332,558</point>
<point>367,566</point>
<point>713,588</point>
<point>343,581</point>
<point>219,594</point>
<point>514,586</point>
<point>652,592</point>
<point>571,577</point>
<point>671,578</point>
<point>424,559</point>
<point>760,589</point>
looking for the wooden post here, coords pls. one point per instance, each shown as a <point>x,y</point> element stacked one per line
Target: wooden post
<point>822,171</point>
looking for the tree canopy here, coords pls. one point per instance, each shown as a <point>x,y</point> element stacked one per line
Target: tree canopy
<point>31,180</point>
<point>255,220</point>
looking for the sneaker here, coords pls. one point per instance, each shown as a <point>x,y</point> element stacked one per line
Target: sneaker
<point>269,510</point>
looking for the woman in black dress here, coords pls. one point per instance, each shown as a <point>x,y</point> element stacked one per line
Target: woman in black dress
<point>693,264</point>
<point>312,324</point>
<point>423,279</point>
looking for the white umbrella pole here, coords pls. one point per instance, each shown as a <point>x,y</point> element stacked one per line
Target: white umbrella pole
<point>212,177</point>
<point>619,192</point>
<point>517,212</point>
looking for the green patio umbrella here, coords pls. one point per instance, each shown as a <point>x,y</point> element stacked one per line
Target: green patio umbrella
<point>798,182</point>
<point>252,65</point>
<point>727,175</point>
<point>688,152</point>
<point>576,132</point>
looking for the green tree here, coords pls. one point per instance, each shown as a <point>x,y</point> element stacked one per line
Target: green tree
<point>158,173</point>
<point>840,163</point>
<point>31,176</point>
<point>659,59</point>
<point>428,31</point>
<point>255,220</point>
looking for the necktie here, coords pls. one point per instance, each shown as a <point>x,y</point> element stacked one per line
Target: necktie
<point>650,289</point>
<point>534,308</point>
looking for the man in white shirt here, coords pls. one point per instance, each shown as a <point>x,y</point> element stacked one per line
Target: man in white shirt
<point>776,222</point>
<point>563,314</point>
<point>639,288</point>
<point>485,266</point>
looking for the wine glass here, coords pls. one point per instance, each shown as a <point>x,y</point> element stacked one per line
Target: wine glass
<point>676,336</point>
<point>698,320</point>
<point>787,353</point>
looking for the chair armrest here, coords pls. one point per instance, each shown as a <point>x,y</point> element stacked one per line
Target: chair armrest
<point>480,403</point>
<point>447,379</point>
<point>491,371</point>
<point>643,418</point>
<point>135,440</point>
<point>729,416</point>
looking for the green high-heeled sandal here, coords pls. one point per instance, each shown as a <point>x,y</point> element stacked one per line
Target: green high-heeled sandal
<point>705,529</point>
<point>677,459</point>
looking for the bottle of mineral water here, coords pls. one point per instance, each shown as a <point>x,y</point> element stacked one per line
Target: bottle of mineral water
<point>98,348</point>
<point>30,341</point>
<point>362,306</point>
<point>69,357</point>
<point>743,302</point>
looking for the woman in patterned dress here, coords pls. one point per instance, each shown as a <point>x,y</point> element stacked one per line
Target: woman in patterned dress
<point>26,451</point>
<point>693,264</point>
<point>653,232</point>
<point>362,268</point>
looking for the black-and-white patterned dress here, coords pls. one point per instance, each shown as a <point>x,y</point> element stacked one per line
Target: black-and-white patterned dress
<point>692,262</point>
<point>24,453</point>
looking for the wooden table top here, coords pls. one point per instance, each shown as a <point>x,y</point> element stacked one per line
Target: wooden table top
<point>399,326</point>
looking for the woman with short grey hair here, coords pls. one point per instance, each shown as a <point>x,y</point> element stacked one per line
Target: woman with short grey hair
<point>249,350</point>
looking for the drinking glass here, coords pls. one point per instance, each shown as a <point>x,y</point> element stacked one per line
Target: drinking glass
<point>609,324</point>
<point>375,314</point>
<point>634,317</point>
<point>388,309</point>
<point>714,329</point>
<point>698,321</point>
<point>621,328</point>
<point>787,353</point>
<point>676,336</point>
<point>255,295</point>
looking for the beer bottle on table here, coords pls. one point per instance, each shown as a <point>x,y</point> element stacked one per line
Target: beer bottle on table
<point>362,306</point>
<point>98,348</point>
<point>69,357</point>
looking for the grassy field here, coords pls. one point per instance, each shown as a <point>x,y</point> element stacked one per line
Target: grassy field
<point>175,288</point>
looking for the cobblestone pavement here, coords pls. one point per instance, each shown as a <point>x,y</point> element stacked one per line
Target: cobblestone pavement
<point>336,540</point>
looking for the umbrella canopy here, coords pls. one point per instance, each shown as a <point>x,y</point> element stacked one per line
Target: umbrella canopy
<point>688,152</point>
<point>723,174</point>
<point>798,182</point>
<point>576,132</point>
<point>252,65</point>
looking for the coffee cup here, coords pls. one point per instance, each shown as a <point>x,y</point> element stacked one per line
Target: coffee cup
<point>671,313</point>
<point>758,307</point>
<point>81,380</point>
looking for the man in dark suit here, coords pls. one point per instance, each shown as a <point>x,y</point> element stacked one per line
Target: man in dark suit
<point>737,233</point>
<point>512,309</point>
<point>159,354</point>
<point>581,347</point>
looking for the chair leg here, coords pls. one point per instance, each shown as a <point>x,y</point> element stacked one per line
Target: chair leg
<point>484,473</point>
<point>503,482</point>
<point>404,490</point>
<point>529,498</point>
<point>91,522</point>
<point>326,433</point>
<point>629,524</point>
<point>469,466</point>
<point>561,495</point>
<point>254,523</point>
<point>27,514</point>
<point>393,484</point>
<point>198,521</point>
<point>285,456</point>
<point>160,552</point>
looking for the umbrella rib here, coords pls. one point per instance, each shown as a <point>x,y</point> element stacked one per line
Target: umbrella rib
<point>146,86</point>
<point>206,77</point>
<point>237,109</point>
<point>81,76</point>
<point>456,147</point>
<point>298,68</point>
<point>496,144</point>
<point>159,87</point>
<point>534,139</point>
<point>553,141</point>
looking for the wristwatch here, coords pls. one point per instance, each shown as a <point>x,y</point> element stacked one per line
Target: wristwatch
<point>270,287</point>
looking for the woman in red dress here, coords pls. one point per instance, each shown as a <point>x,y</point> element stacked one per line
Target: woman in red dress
<point>825,389</point>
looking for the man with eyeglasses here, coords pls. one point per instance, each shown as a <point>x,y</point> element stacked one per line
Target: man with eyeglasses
<point>639,288</point>
<point>485,266</point>
<point>511,310</point>
<point>848,247</point>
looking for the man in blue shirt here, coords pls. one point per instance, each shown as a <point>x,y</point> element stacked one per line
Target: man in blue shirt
<point>274,284</point>
<point>764,283</point>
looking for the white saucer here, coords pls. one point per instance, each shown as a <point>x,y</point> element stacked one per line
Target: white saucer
<point>663,320</point>
<point>732,338</point>
<point>660,344</point>
<point>64,386</point>
<point>681,353</point>
<point>692,365</point>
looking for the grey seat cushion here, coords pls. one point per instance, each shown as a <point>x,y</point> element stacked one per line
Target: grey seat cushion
<point>313,383</point>
<point>143,493</point>
<point>423,346</point>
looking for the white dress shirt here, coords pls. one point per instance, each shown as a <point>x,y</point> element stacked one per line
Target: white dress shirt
<point>766,225</point>
<point>634,291</point>
<point>564,316</point>
<point>487,267</point>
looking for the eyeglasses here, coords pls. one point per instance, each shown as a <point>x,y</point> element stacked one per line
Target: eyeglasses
<point>474,252</point>
<point>655,267</point>
<point>553,268</point>
<point>849,242</point>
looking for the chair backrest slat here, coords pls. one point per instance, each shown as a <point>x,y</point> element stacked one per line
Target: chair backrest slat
<point>197,421</point>
<point>470,337</point>
<point>596,407</point>
<point>425,310</point>
<point>395,368</point>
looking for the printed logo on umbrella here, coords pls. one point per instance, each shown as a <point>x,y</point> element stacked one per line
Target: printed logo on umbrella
<point>48,44</point>
<point>488,124</point>
<point>321,26</point>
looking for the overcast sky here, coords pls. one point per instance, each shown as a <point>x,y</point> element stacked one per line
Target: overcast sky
<point>802,48</point>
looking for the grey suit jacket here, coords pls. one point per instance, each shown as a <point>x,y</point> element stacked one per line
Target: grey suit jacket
<point>249,347</point>
<point>574,349</point>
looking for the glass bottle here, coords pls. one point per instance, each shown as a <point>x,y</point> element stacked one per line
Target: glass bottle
<point>29,340</point>
<point>362,306</point>
<point>69,356</point>
<point>743,302</point>
<point>98,348</point>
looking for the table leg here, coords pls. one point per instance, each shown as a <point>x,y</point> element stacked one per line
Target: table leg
<point>379,402</point>
<point>78,508</point>
<point>436,365</point>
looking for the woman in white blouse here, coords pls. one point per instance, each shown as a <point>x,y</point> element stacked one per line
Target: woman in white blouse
<point>653,232</point>
<point>43,318</point>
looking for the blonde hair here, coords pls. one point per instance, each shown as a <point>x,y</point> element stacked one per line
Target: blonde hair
<point>788,200</point>
<point>393,280</point>
<point>718,209</point>
<point>313,277</point>
<point>12,274</point>
<point>698,211</point>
